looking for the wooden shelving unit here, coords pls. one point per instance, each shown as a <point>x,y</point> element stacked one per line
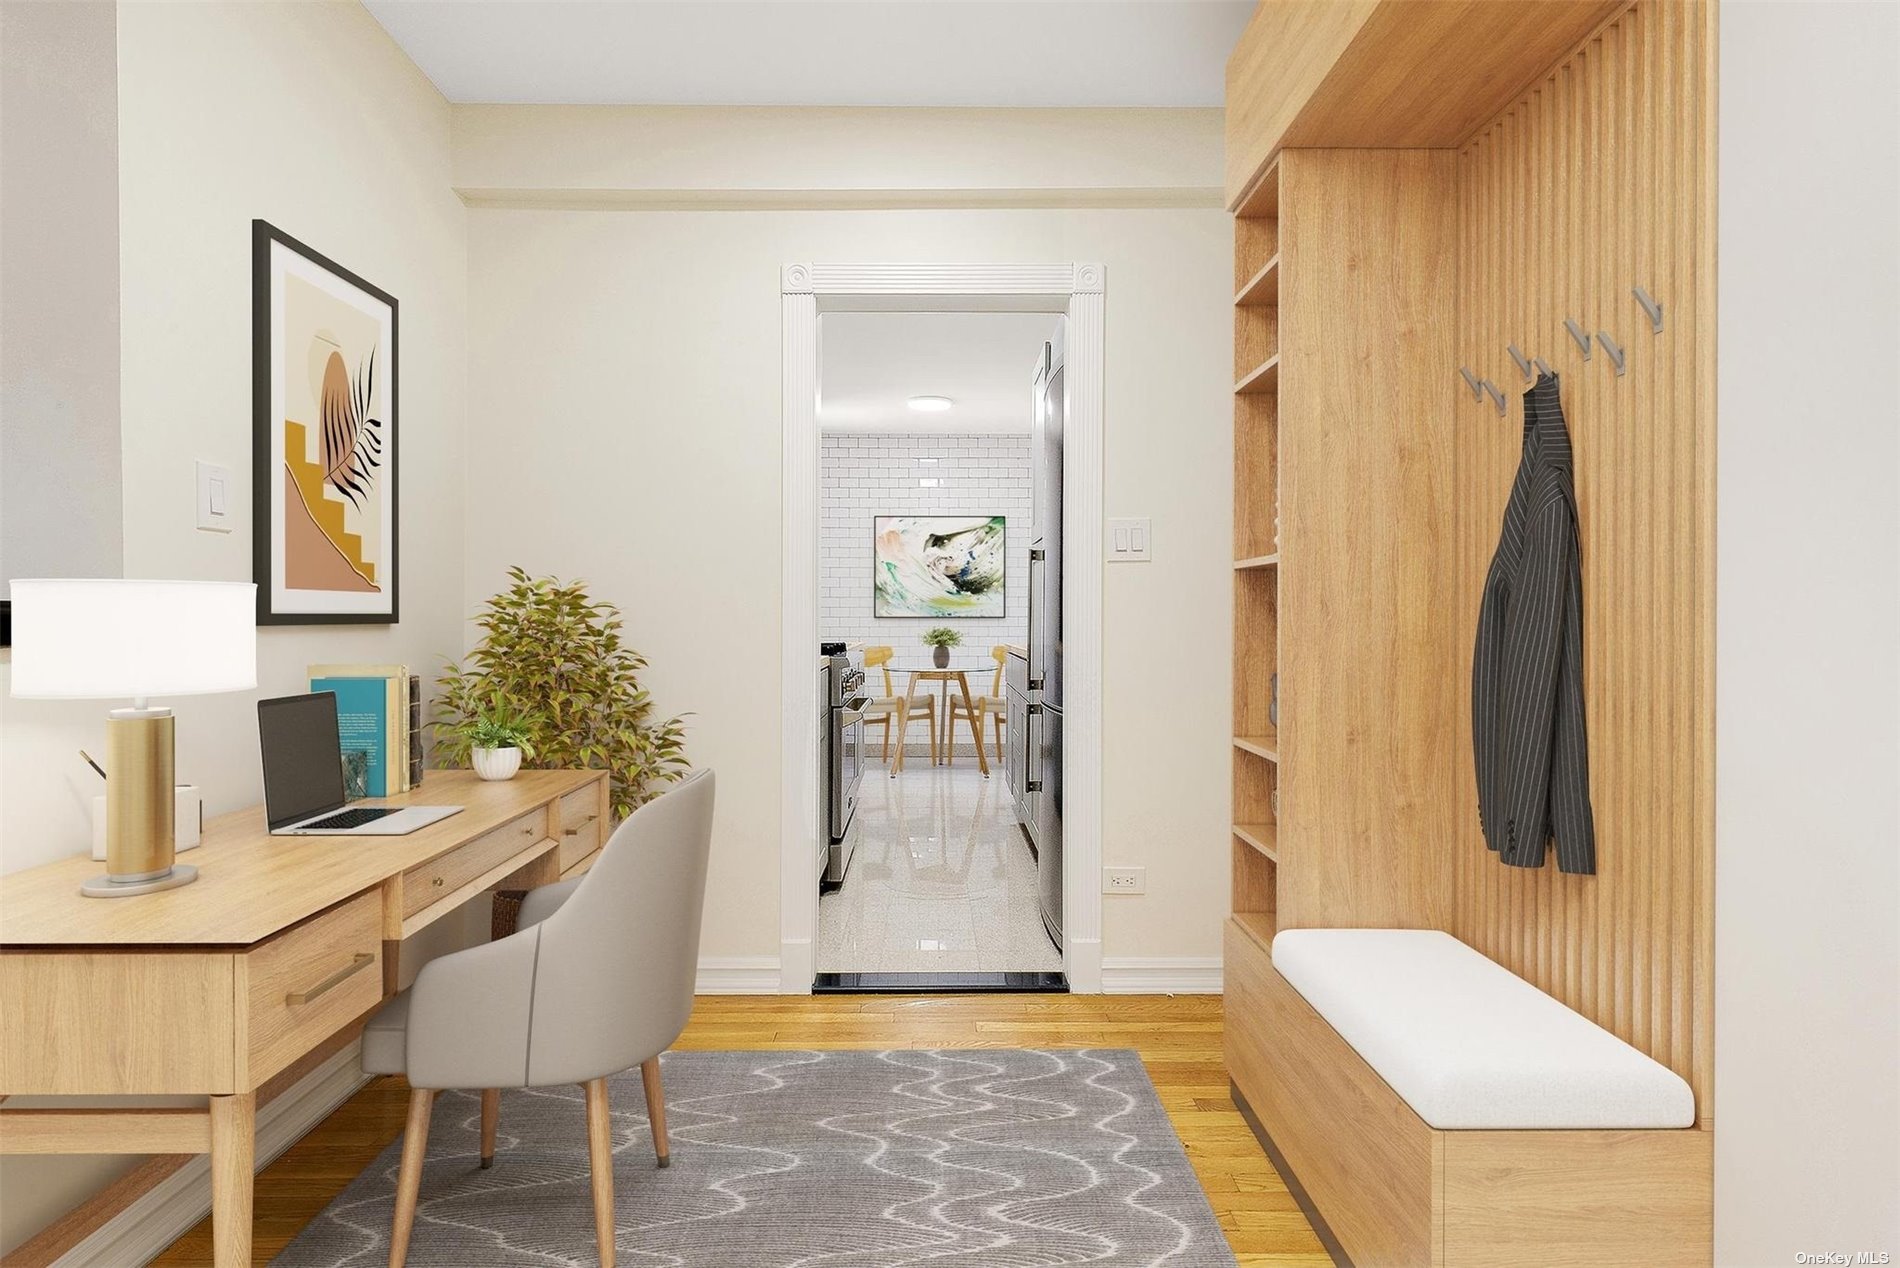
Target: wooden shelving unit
<point>1256,850</point>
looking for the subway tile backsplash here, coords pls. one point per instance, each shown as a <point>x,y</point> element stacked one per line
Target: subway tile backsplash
<point>865,475</point>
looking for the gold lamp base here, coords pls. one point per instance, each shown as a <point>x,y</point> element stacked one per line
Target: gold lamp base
<point>140,835</point>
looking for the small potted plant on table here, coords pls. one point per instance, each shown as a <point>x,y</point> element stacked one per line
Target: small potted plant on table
<point>942,638</point>
<point>498,738</point>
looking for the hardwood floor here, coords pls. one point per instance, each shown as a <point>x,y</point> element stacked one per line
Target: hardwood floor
<point>1178,1037</point>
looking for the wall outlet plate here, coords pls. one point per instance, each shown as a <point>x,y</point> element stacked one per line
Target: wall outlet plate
<point>1124,880</point>
<point>1129,540</point>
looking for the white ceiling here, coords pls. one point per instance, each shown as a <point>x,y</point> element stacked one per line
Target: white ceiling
<point>821,52</point>
<point>870,364</point>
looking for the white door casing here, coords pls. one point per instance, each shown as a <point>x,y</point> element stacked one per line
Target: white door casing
<point>1076,291</point>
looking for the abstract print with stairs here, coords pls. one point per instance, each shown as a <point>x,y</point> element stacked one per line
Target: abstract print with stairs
<point>981,1158</point>
<point>320,552</point>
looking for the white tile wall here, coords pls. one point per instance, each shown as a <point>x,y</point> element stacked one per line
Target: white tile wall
<point>865,475</point>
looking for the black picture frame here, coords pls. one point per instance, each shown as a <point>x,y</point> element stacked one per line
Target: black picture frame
<point>265,484</point>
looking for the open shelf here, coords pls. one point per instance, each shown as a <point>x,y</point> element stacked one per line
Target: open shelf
<point>1262,290</point>
<point>1258,925</point>
<point>1264,837</point>
<point>1265,378</point>
<point>1258,561</point>
<point>1267,746</point>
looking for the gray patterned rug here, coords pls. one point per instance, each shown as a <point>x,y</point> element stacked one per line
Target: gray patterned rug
<point>981,1158</point>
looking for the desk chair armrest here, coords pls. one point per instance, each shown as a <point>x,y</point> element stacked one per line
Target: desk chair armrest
<point>544,900</point>
<point>468,1016</point>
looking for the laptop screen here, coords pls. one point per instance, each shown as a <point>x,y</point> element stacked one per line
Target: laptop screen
<point>303,756</point>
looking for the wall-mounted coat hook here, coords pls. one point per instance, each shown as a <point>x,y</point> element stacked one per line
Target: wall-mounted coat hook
<point>1471,381</point>
<point>1543,367</point>
<point>1578,333</point>
<point>1651,307</point>
<point>1523,362</point>
<point>1497,397</point>
<point>1615,353</point>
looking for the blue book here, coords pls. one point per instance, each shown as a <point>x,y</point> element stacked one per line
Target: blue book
<point>362,719</point>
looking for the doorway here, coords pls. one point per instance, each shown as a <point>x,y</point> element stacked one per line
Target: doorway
<point>938,835</point>
<point>939,527</point>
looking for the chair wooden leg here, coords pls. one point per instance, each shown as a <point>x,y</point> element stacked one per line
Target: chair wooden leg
<point>656,1108</point>
<point>999,739</point>
<point>415,1147</point>
<point>950,737</point>
<point>887,740</point>
<point>600,1158</point>
<point>936,754</point>
<point>491,1117</point>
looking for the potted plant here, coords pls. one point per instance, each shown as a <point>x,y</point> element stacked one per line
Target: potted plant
<point>555,654</point>
<point>942,638</point>
<point>499,736</point>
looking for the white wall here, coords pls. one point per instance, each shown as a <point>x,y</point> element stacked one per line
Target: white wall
<point>866,474</point>
<point>754,156</point>
<point>59,271</point>
<point>1807,881</point>
<point>308,116</point>
<point>624,413</point>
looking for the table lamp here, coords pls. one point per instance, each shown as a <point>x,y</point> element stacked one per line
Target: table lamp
<point>101,640</point>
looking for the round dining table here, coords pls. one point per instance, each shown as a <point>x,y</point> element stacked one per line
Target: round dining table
<point>960,676</point>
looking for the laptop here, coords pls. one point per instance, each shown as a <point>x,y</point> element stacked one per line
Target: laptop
<point>303,776</point>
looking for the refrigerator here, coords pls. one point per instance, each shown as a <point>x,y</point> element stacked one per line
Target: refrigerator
<point>1043,758</point>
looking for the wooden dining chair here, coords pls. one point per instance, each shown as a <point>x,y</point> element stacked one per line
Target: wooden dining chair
<point>883,709</point>
<point>990,706</point>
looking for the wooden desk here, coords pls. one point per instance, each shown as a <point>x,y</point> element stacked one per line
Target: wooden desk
<point>234,986</point>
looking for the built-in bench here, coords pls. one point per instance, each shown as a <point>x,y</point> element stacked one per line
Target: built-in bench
<point>1435,1109</point>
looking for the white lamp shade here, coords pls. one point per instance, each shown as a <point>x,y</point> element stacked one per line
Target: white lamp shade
<point>99,639</point>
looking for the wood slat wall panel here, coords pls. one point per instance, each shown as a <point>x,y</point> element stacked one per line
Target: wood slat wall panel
<point>1599,180</point>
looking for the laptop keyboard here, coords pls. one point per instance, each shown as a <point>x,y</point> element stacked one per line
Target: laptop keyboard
<point>349,818</point>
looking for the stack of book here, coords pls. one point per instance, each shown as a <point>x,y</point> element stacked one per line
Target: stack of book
<point>379,713</point>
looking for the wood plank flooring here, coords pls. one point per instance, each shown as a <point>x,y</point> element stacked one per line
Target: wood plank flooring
<point>1178,1037</point>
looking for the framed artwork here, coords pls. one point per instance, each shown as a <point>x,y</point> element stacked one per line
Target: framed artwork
<point>323,441</point>
<point>939,565</point>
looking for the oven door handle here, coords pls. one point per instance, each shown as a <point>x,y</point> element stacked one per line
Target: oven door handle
<point>849,717</point>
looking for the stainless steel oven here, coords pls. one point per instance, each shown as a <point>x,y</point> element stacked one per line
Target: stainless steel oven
<point>844,754</point>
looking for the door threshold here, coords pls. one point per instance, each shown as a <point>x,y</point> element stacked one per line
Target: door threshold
<point>1007,982</point>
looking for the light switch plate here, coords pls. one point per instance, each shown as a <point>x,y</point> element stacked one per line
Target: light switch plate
<point>214,497</point>
<point>1130,540</point>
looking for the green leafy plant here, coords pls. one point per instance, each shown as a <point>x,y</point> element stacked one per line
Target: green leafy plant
<point>941,636</point>
<point>499,724</point>
<point>555,658</point>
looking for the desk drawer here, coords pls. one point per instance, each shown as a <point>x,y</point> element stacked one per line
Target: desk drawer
<point>309,982</point>
<point>580,825</point>
<point>435,880</point>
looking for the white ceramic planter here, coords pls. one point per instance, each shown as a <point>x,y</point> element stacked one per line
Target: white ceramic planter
<point>496,763</point>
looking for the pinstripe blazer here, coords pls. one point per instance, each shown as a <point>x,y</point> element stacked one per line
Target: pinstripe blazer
<point>1527,726</point>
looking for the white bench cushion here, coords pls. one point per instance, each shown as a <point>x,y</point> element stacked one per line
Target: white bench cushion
<point>1469,1044</point>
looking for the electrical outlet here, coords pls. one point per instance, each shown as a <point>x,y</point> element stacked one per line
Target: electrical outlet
<point>1124,880</point>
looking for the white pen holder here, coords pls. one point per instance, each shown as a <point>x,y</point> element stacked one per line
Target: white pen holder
<point>188,819</point>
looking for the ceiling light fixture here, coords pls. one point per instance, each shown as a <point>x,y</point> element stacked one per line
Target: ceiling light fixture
<point>930,404</point>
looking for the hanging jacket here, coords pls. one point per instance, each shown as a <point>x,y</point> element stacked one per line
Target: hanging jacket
<point>1529,741</point>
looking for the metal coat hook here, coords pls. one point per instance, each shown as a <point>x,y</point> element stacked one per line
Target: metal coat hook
<point>1650,307</point>
<point>1544,366</point>
<point>1497,397</point>
<point>1471,381</point>
<point>1578,333</point>
<point>1523,363</point>
<point>1616,353</point>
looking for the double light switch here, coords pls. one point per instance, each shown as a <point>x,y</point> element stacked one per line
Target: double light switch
<point>1129,540</point>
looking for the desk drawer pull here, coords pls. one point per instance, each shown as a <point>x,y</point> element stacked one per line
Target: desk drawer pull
<point>576,829</point>
<point>360,961</point>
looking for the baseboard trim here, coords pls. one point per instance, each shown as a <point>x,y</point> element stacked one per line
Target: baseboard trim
<point>160,1215</point>
<point>738,975</point>
<point>1161,975</point>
